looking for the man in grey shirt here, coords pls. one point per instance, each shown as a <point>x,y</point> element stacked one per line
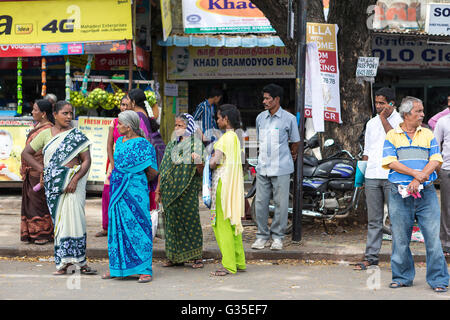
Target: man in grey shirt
<point>442,135</point>
<point>275,128</point>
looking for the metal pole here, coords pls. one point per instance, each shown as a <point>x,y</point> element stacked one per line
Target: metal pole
<point>300,111</point>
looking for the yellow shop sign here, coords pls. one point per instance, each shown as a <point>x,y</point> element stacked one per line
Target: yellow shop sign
<point>24,22</point>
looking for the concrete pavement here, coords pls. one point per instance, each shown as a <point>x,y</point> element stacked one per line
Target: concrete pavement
<point>341,244</point>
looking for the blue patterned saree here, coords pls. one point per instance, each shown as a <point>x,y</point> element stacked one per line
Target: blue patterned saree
<point>130,241</point>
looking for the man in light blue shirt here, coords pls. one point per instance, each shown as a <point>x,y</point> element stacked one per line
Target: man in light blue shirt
<point>275,129</point>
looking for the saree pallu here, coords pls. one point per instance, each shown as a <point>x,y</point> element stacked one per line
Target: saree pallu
<point>36,222</point>
<point>66,209</point>
<point>180,187</point>
<point>130,241</point>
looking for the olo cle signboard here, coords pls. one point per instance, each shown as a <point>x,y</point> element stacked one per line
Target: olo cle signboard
<point>223,16</point>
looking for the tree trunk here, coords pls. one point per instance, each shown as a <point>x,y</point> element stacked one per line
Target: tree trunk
<point>353,42</point>
<point>277,13</point>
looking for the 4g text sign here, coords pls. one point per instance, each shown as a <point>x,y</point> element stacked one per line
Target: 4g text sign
<point>24,22</point>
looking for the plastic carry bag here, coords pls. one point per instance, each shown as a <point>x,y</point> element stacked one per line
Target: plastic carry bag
<point>207,184</point>
<point>158,223</point>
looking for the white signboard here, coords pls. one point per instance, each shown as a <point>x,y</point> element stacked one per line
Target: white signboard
<point>224,16</point>
<point>367,67</point>
<point>438,19</point>
<point>171,89</point>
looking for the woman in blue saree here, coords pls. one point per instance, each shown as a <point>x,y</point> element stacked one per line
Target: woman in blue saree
<point>130,240</point>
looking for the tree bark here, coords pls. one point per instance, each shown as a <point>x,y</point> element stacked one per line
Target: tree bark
<point>353,42</point>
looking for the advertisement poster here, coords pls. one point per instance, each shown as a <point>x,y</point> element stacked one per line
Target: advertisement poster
<point>23,22</point>
<point>166,17</point>
<point>192,63</point>
<point>224,16</point>
<point>13,135</point>
<point>325,36</point>
<point>96,129</point>
<point>399,14</point>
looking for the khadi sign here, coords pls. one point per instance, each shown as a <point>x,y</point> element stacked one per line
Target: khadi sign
<point>223,16</point>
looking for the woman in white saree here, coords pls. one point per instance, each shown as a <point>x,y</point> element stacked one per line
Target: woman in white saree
<point>66,164</point>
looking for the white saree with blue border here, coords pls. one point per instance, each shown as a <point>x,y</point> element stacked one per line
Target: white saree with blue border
<point>67,209</point>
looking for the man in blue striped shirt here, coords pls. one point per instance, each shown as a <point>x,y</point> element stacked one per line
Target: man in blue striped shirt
<point>412,155</point>
<point>205,114</point>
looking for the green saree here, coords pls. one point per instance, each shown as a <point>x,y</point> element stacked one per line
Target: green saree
<point>179,187</point>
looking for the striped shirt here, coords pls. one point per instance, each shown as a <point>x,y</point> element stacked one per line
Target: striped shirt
<point>205,117</point>
<point>414,153</point>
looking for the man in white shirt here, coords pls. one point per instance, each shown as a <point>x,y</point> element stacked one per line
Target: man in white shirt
<point>376,183</point>
<point>442,135</point>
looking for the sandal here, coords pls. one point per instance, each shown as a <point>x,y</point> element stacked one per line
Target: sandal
<point>106,276</point>
<point>220,273</point>
<point>102,233</point>
<point>169,264</point>
<point>364,265</point>
<point>440,289</point>
<point>198,264</point>
<point>144,278</point>
<point>40,242</point>
<point>87,270</point>
<point>62,271</point>
<point>395,285</point>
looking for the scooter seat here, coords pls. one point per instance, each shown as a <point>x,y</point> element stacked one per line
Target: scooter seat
<point>310,160</point>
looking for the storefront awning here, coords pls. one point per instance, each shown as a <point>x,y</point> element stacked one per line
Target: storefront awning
<point>232,41</point>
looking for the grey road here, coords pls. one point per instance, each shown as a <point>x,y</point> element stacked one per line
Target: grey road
<point>264,280</point>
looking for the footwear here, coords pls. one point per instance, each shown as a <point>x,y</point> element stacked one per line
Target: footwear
<point>87,270</point>
<point>220,273</point>
<point>198,264</point>
<point>395,285</point>
<point>259,244</point>
<point>364,265</point>
<point>277,244</point>
<point>144,278</point>
<point>106,276</point>
<point>102,233</point>
<point>440,289</point>
<point>62,271</point>
<point>169,264</point>
<point>40,242</point>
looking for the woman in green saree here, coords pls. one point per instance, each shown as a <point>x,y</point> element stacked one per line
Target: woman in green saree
<point>178,187</point>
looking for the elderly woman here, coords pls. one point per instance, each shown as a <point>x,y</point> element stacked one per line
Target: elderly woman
<point>130,240</point>
<point>178,187</point>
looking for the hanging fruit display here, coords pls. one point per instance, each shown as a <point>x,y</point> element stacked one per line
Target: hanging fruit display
<point>44,77</point>
<point>151,97</point>
<point>19,86</point>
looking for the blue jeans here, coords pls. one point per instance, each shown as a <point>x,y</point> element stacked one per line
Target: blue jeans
<point>402,214</point>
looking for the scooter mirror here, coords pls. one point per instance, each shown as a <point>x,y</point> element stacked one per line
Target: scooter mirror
<point>328,143</point>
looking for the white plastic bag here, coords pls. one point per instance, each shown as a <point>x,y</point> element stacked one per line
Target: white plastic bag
<point>207,184</point>
<point>154,214</point>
